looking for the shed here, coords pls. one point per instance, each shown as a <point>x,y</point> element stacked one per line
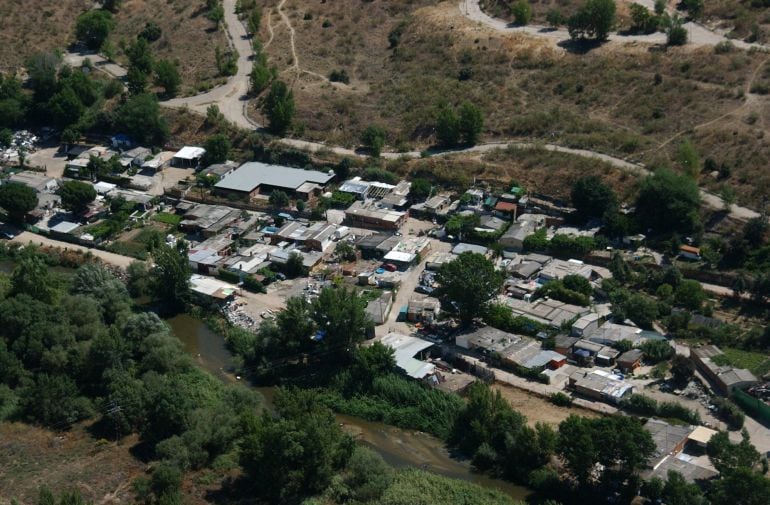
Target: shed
<point>630,360</point>
<point>188,157</point>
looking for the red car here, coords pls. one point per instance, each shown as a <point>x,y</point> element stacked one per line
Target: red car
<point>390,267</point>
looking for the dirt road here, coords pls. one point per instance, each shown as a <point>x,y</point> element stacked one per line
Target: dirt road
<point>232,97</point>
<point>76,59</point>
<point>108,257</point>
<point>698,35</point>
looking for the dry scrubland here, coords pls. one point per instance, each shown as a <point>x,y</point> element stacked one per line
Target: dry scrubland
<point>188,37</point>
<point>631,100</point>
<point>27,27</point>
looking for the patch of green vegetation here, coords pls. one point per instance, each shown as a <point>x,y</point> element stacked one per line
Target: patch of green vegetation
<point>167,218</point>
<point>755,362</point>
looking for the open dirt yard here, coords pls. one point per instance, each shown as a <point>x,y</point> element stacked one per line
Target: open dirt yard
<point>537,409</point>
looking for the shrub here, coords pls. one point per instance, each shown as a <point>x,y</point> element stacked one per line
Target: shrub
<point>560,399</point>
<point>339,76</point>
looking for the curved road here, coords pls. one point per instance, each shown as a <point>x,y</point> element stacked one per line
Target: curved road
<point>232,99</point>
<point>698,35</point>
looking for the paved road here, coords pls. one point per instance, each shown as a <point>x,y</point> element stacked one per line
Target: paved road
<point>108,257</point>
<point>698,35</point>
<point>231,98</point>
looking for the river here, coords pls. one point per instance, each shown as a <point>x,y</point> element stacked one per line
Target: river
<point>399,447</point>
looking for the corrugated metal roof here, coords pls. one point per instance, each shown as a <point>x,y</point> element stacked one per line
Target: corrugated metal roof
<point>250,175</point>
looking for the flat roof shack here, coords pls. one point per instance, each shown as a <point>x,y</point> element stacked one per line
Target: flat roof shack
<point>255,178</point>
<point>369,246</point>
<point>586,353</point>
<point>405,349</point>
<point>526,270</point>
<point>424,310</point>
<point>219,170</point>
<point>559,269</point>
<point>630,360</point>
<point>724,378</point>
<point>585,325</point>
<point>438,258</point>
<point>37,181</point>
<point>670,444</point>
<point>138,198</point>
<point>564,343</point>
<point>379,308</point>
<point>208,220</point>
<point>486,338</point>
<point>188,157</point>
<point>209,288</point>
<point>398,198</point>
<point>612,333</point>
<point>369,215</point>
<point>546,311</point>
<point>669,439</point>
<point>600,385</point>
<point>474,248</point>
<point>435,206</point>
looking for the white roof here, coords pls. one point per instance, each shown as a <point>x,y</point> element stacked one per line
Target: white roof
<point>102,187</point>
<point>190,153</point>
<point>702,435</point>
<point>64,227</point>
<point>405,349</point>
<point>210,286</point>
<point>253,174</point>
<point>401,257</point>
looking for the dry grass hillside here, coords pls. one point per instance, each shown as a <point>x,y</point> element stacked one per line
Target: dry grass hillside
<point>28,27</point>
<point>630,100</point>
<point>188,37</point>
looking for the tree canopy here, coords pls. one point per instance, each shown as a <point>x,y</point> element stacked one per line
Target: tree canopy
<point>594,20</point>
<point>17,200</point>
<point>469,283</point>
<point>76,195</point>
<point>668,203</point>
<point>592,198</point>
<point>217,149</point>
<point>279,107</point>
<point>93,27</point>
<point>140,117</point>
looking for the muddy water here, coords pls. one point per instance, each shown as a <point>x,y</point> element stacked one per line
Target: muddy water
<point>400,448</point>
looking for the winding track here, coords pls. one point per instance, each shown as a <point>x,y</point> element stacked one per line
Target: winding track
<point>232,97</point>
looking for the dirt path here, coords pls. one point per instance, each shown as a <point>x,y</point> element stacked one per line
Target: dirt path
<point>231,97</point>
<point>108,257</point>
<point>698,35</point>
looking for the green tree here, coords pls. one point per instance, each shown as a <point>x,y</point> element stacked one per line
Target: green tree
<point>656,351</point>
<point>642,20</point>
<point>255,20</point>
<point>279,107</point>
<point>676,33</point>
<point>682,369</point>
<point>461,225</point>
<point>65,108</point>
<point>111,5</point>
<point>420,189</point>
<point>447,127</point>
<point>217,149</point>
<point>296,454</point>
<point>17,200</point>
<point>367,475</point>
<point>167,76</point>
<point>140,117</point>
<point>373,138</point>
<point>677,491</point>
<point>470,123</point>
<point>469,282</point>
<point>727,456</point>
<point>93,27</point>
<point>31,277</point>
<point>690,295</point>
<point>140,55</point>
<point>260,77</point>
<point>592,198</point>
<point>295,266</point>
<point>136,81</point>
<point>341,313</point>
<point>138,279</point>
<point>593,21</point>
<point>171,277</point>
<point>522,12</point>
<point>345,251</point>
<point>76,195</point>
<point>554,18</point>
<point>6,137</point>
<point>755,231</point>
<point>279,199</point>
<point>668,203</point>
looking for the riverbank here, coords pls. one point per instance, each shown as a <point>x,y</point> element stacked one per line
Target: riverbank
<point>399,447</point>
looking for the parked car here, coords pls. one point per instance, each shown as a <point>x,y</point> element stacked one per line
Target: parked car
<point>280,276</point>
<point>390,267</point>
<point>425,290</point>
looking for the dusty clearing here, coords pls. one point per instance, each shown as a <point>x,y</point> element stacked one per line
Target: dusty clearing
<point>32,457</point>
<point>539,410</point>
